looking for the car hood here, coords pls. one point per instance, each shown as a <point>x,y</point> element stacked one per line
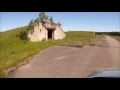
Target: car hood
<point>111,73</point>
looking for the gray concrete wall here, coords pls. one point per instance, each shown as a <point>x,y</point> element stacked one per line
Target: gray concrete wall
<point>58,33</point>
<point>39,35</point>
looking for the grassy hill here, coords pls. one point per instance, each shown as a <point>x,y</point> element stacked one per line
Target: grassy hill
<point>13,50</point>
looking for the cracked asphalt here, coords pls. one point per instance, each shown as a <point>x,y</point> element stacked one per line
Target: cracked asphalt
<point>71,62</point>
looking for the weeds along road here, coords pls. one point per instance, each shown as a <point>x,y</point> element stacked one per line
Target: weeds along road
<point>72,62</point>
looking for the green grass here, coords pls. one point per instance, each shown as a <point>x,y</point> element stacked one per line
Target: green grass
<point>13,50</point>
<point>116,37</point>
<point>77,38</point>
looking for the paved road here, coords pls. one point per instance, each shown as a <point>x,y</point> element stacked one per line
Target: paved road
<point>71,62</point>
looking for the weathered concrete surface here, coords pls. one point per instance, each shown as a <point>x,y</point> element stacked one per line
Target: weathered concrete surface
<point>71,62</point>
<point>40,32</point>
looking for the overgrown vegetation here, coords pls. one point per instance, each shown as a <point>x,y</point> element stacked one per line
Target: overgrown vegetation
<point>42,18</point>
<point>23,34</point>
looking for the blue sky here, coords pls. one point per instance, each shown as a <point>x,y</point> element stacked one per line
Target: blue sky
<point>78,21</point>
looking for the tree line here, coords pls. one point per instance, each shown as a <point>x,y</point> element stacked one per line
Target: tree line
<point>108,33</point>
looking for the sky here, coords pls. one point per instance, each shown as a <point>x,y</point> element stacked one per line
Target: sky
<point>73,21</point>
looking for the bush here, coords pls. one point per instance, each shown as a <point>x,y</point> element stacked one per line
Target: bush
<point>23,35</point>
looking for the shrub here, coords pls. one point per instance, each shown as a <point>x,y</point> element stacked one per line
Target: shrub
<point>23,35</point>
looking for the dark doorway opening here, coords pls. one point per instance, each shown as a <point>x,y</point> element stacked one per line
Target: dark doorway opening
<point>50,33</point>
